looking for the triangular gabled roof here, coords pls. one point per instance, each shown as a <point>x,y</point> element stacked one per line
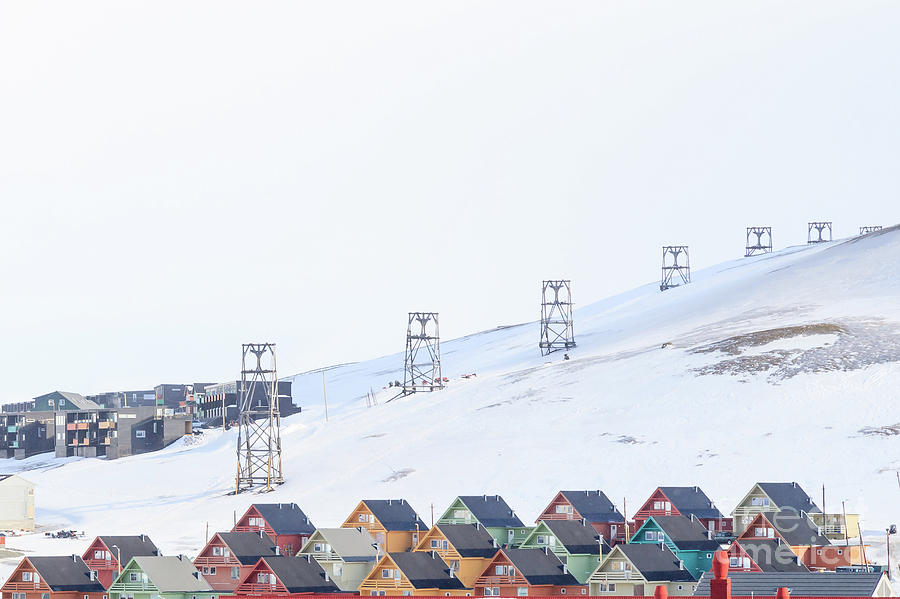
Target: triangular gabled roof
<point>171,574</point>
<point>65,573</point>
<point>491,511</point>
<point>127,546</point>
<point>593,506</point>
<point>76,399</point>
<point>299,574</point>
<point>247,547</point>
<point>770,555</point>
<point>426,570</point>
<point>539,567</point>
<point>801,584</point>
<point>795,530</point>
<point>789,495</point>
<point>686,534</point>
<point>576,536</point>
<point>350,544</point>
<point>469,540</point>
<point>285,518</point>
<point>395,514</point>
<point>691,501</point>
<point>655,562</point>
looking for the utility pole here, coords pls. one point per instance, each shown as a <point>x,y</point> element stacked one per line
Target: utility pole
<point>824,513</point>
<point>325,395</point>
<point>625,515</point>
<point>432,514</point>
<point>862,547</point>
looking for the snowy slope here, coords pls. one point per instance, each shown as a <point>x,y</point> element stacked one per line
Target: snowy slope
<point>781,367</point>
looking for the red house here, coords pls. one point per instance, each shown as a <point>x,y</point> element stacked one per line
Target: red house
<point>56,577</point>
<point>283,575</point>
<point>683,501</point>
<point>107,555</point>
<point>229,556</point>
<point>763,555</point>
<point>591,506</point>
<point>285,523</point>
<point>520,572</point>
<point>804,539</point>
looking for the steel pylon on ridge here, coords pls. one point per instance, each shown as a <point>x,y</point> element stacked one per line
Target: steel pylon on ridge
<point>763,242</point>
<point>259,433</point>
<point>557,324</point>
<point>671,268</point>
<point>422,364</point>
<point>821,227</point>
<point>869,229</point>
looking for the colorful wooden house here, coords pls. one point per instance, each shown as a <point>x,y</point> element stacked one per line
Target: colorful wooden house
<point>771,497</point>
<point>491,512</point>
<point>228,556</point>
<point>636,569</point>
<point>107,555</point>
<point>575,542</point>
<point>689,540</point>
<point>413,573</point>
<point>286,523</point>
<point>347,555</point>
<point>763,555</point>
<point>393,523</point>
<point>805,539</point>
<point>466,548</point>
<point>284,575</point>
<point>592,506</point>
<point>687,502</point>
<point>523,572</point>
<point>54,577</point>
<point>151,577</point>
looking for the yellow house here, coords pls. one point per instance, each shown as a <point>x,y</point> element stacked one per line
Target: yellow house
<point>393,523</point>
<point>466,548</point>
<point>777,497</point>
<point>413,573</point>
<point>637,569</point>
<point>16,503</point>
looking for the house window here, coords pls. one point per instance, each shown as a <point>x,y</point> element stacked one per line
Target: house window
<point>362,518</point>
<point>583,591</point>
<point>140,434</point>
<point>840,552</point>
<point>133,577</point>
<point>541,540</point>
<point>460,513</point>
<point>435,544</point>
<point>218,551</point>
<point>317,547</point>
<point>680,587</point>
<point>562,591</point>
<point>708,555</point>
<point>818,552</point>
<point>512,571</point>
<point>205,570</point>
<point>650,535</point>
<point>45,595</point>
<point>212,571</point>
<point>454,563</point>
<point>256,522</point>
<point>521,591</point>
<point>26,576</point>
<point>499,570</point>
<point>235,573</point>
<point>564,509</point>
<point>397,574</point>
<point>386,573</point>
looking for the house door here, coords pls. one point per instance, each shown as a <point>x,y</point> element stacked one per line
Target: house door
<point>379,539</point>
<point>613,529</point>
<point>638,590</point>
<point>511,535</point>
<point>712,526</point>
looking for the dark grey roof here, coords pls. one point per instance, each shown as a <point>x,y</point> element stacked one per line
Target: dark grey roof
<point>300,575</point>
<point>248,547</point>
<point>129,546</point>
<point>687,534</point>
<point>426,570</point>
<point>576,536</point>
<point>691,501</point>
<point>594,506</point>
<point>655,562</point>
<point>540,567</point>
<point>66,573</point>
<point>76,399</point>
<point>796,530</point>
<point>789,495</point>
<point>772,556</point>
<point>491,510</point>
<point>285,518</point>
<point>801,584</point>
<point>469,540</point>
<point>395,514</point>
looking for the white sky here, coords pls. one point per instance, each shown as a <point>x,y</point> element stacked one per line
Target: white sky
<point>177,178</point>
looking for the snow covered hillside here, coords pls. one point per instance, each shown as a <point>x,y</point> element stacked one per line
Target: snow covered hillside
<point>778,367</point>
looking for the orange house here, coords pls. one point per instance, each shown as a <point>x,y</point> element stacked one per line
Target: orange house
<point>466,548</point>
<point>56,577</point>
<point>107,555</point>
<point>522,572</point>
<point>414,573</point>
<point>229,556</point>
<point>804,538</point>
<point>591,506</point>
<point>393,523</point>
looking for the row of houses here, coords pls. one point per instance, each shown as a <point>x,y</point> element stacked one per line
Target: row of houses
<point>120,423</point>
<point>478,547</point>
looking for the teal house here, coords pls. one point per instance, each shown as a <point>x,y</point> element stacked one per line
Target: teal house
<point>688,539</point>
<point>575,542</point>
<point>492,513</point>
<point>157,577</point>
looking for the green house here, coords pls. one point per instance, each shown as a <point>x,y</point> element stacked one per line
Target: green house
<point>62,401</point>
<point>575,542</point>
<point>492,512</point>
<point>157,577</point>
<point>688,539</point>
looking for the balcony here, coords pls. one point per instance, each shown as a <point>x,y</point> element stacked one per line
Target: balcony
<point>12,428</point>
<point>105,424</point>
<point>71,426</point>
<point>82,426</point>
